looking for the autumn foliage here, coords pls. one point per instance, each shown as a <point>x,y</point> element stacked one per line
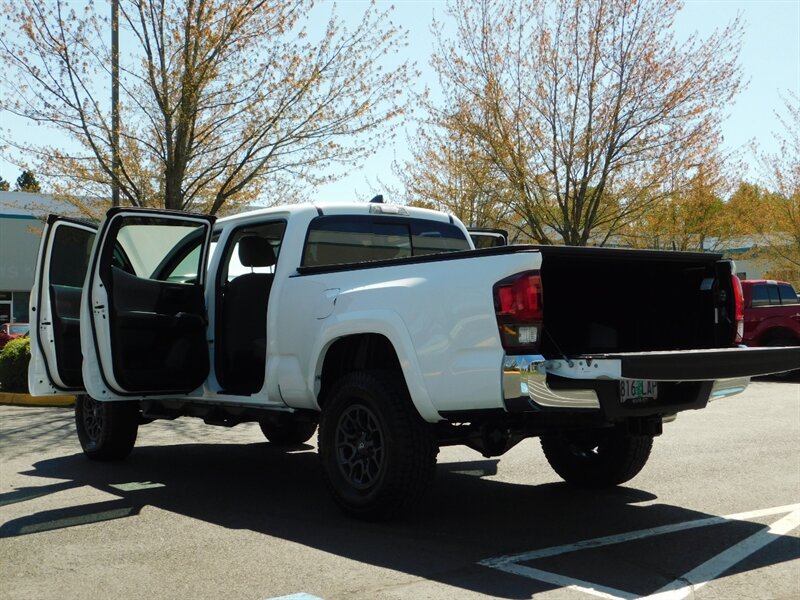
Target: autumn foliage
<point>580,110</point>
<point>769,214</point>
<point>222,100</point>
<point>566,121</point>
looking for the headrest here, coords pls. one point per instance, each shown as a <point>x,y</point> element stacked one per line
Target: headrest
<point>256,252</point>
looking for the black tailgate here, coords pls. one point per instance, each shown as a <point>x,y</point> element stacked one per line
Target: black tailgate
<point>704,365</point>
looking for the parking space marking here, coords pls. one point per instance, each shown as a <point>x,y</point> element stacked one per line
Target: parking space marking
<point>297,596</point>
<point>716,566</point>
<point>676,590</point>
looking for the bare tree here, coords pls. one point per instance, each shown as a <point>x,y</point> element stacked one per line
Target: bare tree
<point>694,214</point>
<point>770,213</point>
<point>223,100</point>
<point>449,173</point>
<point>583,107</point>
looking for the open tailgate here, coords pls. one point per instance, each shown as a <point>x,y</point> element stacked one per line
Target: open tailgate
<point>698,365</point>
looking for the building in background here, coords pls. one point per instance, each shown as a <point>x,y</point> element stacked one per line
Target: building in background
<point>22,217</point>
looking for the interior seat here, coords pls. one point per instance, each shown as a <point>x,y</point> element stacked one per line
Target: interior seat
<point>245,313</point>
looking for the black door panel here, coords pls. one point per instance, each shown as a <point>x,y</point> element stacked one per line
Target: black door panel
<point>157,334</point>
<point>66,304</point>
<point>131,293</point>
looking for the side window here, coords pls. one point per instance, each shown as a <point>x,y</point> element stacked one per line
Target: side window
<point>186,269</point>
<point>162,250</point>
<point>774,298</point>
<point>760,295</point>
<point>72,248</point>
<point>787,294</point>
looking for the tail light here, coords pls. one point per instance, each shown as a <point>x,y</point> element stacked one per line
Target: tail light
<point>519,311</point>
<point>738,310</point>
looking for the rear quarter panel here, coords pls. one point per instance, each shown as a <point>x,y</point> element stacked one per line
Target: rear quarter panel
<point>439,316</point>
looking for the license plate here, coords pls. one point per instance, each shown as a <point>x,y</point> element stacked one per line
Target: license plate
<point>634,391</point>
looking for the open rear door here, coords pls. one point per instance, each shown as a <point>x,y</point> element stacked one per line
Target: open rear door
<point>64,254</point>
<point>143,316</point>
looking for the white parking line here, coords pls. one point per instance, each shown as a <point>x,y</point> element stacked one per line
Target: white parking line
<point>716,566</point>
<point>297,596</point>
<point>676,590</point>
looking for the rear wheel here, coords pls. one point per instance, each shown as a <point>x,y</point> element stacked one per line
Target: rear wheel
<point>106,430</point>
<point>596,458</point>
<point>378,455</point>
<point>288,432</point>
<point>782,339</point>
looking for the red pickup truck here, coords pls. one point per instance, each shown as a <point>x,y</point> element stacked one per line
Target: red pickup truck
<point>771,313</point>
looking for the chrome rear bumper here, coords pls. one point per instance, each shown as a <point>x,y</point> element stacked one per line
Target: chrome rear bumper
<point>525,382</point>
<point>525,379</point>
<point>728,387</point>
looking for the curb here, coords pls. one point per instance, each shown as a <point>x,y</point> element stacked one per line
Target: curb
<point>28,400</point>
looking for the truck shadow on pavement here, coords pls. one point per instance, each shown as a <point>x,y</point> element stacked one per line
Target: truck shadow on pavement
<point>467,518</point>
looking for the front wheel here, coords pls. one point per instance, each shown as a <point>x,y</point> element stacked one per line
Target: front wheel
<point>378,455</point>
<point>106,430</point>
<point>596,458</point>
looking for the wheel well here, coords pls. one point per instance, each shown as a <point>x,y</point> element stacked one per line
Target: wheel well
<point>360,352</point>
<point>778,334</point>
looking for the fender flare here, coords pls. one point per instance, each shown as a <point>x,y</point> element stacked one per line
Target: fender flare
<point>391,326</point>
<point>769,324</point>
<point>778,327</point>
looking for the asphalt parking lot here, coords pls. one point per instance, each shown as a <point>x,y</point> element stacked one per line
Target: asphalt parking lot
<point>200,512</point>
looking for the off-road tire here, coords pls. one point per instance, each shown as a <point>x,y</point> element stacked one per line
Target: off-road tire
<point>378,455</point>
<point>597,458</point>
<point>106,430</point>
<point>288,432</point>
<point>782,339</point>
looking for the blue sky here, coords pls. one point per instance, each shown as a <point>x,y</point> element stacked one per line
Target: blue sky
<point>770,59</point>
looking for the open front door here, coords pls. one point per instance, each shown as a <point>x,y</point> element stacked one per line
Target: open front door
<point>488,238</point>
<point>64,254</point>
<point>143,316</point>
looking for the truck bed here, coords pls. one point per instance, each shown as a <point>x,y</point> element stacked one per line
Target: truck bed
<point>600,300</point>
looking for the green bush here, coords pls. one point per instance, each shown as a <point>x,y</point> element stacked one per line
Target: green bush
<point>14,361</point>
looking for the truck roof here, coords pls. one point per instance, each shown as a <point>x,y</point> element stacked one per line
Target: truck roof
<point>746,282</point>
<point>345,208</point>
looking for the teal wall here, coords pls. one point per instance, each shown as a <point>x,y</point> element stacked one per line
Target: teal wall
<point>19,245</point>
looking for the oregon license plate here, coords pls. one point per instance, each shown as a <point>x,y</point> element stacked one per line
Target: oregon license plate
<point>637,390</point>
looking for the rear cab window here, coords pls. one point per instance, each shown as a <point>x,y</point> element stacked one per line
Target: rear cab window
<point>345,239</point>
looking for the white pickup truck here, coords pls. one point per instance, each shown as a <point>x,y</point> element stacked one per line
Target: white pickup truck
<point>382,324</point>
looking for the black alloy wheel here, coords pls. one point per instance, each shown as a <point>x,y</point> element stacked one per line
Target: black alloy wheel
<point>106,430</point>
<point>359,447</point>
<point>378,455</point>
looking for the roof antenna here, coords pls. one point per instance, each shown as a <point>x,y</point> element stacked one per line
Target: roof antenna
<point>377,199</point>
